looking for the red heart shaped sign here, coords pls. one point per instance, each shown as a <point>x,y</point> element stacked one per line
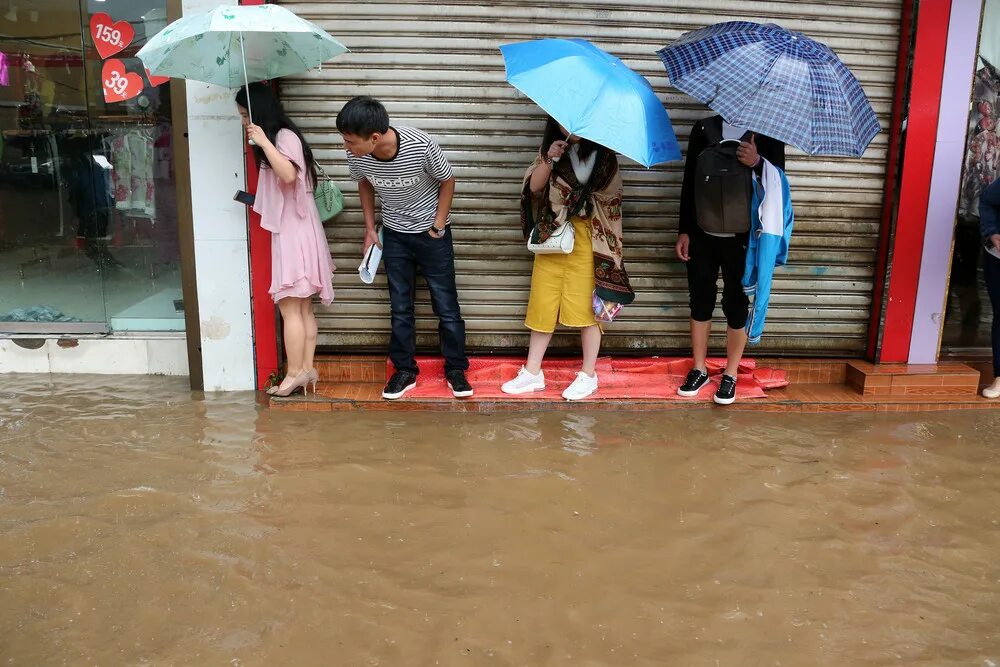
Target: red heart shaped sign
<point>154,80</point>
<point>120,85</point>
<point>110,37</point>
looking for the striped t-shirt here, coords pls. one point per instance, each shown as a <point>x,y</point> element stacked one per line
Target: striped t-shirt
<point>409,183</point>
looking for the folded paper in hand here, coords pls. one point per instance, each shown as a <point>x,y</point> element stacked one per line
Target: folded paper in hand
<point>370,262</point>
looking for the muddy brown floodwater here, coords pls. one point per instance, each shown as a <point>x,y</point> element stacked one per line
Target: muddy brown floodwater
<point>143,525</point>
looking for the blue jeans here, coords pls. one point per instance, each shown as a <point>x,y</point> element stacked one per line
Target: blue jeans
<point>403,255</point>
<point>991,272</point>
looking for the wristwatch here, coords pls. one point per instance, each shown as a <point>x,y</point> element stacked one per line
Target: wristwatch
<point>438,232</point>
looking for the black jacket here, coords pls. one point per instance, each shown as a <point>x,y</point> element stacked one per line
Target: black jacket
<point>770,149</point>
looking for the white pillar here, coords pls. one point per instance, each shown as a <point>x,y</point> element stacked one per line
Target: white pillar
<point>222,259</point>
<point>949,154</point>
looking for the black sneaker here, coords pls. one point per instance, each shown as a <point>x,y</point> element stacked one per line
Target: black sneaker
<point>696,379</point>
<point>727,390</point>
<point>400,383</point>
<point>459,386</point>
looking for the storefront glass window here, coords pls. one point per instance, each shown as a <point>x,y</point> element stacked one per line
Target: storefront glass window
<point>88,216</point>
<point>968,315</point>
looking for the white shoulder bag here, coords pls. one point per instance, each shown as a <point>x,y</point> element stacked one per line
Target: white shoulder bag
<point>560,241</point>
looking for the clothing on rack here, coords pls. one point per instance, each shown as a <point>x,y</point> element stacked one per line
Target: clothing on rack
<point>982,159</point>
<point>165,232</point>
<point>4,69</point>
<point>133,158</point>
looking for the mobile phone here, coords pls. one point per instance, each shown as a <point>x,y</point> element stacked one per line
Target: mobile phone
<point>243,197</point>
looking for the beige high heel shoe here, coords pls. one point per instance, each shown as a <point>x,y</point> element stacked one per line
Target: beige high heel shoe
<point>301,381</point>
<point>314,378</point>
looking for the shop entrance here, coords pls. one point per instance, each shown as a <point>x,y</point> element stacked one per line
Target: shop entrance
<point>968,315</point>
<point>88,214</point>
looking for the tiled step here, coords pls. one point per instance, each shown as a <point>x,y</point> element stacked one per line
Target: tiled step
<point>808,398</point>
<point>351,382</point>
<point>351,368</point>
<point>946,379</point>
<point>808,371</point>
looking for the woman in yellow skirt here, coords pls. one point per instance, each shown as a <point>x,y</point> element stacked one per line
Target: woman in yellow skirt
<point>572,181</point>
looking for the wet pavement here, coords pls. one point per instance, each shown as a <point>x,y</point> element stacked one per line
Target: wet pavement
<point>141,524</point>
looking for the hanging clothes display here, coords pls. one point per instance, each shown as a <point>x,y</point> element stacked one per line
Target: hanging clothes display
<point>134,156</point>
<point>4,70</point>
<point>165,232</point>
<point>982,159</point>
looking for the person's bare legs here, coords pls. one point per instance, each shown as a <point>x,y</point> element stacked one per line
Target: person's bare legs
<point>537,345</point>
<point>590,337</point>
<point>736,342</point>
<point>700,331</point>
<point>311,333</point>
<point>293,329</point>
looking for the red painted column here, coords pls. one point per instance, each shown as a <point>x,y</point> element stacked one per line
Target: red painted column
<point>915,178</point>
<point>265,331</point>
<point>891,178</point>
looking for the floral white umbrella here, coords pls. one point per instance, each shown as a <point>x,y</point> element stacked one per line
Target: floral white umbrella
<point>232,45</point>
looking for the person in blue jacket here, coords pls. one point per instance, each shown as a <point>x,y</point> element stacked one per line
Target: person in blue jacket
<point>707,254</point>
<point>989,227</point>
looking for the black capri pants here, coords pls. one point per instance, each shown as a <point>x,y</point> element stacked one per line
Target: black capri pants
<point>708,255</point>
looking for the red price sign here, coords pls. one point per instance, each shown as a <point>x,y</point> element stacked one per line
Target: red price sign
<point>110,37</point>
<point>120,85</point>
<point>154,80</point>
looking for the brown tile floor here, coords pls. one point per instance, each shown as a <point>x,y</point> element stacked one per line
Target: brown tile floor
<point>795,398</point>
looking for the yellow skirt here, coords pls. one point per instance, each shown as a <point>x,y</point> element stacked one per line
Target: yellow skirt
<point>562,286</point>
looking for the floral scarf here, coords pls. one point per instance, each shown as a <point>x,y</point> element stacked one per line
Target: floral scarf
<point>599,202</point>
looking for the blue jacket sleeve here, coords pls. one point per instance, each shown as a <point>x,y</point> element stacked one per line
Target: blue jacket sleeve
<point>989,210</point>
<point>765,252</point>
<point>750,268</point>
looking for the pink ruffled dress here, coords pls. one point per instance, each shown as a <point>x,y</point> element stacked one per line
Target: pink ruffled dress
<point>300,256</point>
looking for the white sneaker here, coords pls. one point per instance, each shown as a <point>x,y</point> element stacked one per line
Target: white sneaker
<point>992,391</point>
<point>524,382</point>
<point>583,386</point>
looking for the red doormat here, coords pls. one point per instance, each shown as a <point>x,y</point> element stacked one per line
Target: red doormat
<point>650,378</point>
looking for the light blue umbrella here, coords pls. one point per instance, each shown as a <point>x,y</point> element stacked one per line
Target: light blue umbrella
<point>232,45</point>
<point>593,95</point>
<point>776,82</point>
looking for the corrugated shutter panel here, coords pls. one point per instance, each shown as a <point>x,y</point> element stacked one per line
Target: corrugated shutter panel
<point>436,66</point>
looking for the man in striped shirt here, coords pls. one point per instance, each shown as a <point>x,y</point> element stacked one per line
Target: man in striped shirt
<point>415,183</point>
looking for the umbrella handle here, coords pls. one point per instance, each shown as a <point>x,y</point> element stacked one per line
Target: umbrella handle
<point>556,159</point>
<point>246,80</point>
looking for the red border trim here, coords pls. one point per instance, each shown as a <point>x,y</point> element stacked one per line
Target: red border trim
<point>917,167</point>
<point>891,179</point>
<point>265,321</point>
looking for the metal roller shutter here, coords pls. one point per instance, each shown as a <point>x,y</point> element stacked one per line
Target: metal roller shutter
<point>436,66</point>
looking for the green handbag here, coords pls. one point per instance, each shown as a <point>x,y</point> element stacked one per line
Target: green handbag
<point>329,198</point>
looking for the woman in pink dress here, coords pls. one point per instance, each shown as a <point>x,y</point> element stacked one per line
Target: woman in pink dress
<point>300,257</point>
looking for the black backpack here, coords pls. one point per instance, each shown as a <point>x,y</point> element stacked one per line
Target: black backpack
<point>723,185</point>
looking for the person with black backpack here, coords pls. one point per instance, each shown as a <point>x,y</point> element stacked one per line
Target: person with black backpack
<point>713,235</point>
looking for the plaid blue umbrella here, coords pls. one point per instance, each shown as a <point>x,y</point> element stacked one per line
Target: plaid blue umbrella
<point>776,82</point>
<point>593,95</point>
